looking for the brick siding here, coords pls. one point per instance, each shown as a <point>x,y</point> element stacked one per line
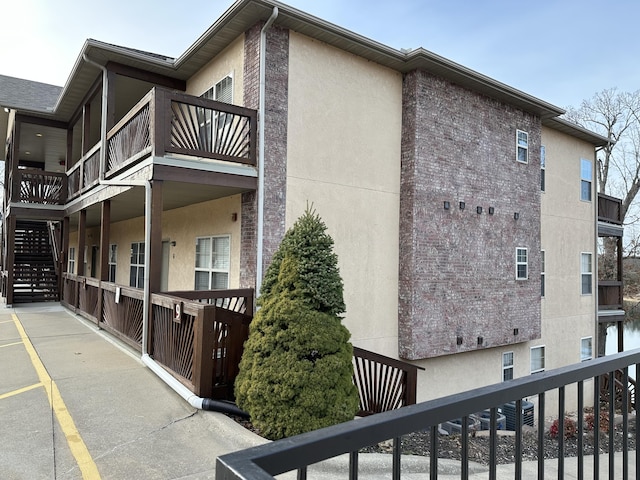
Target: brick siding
<point>457,287</point>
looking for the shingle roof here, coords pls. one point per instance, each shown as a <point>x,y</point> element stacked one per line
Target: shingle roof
<point>27,95</point>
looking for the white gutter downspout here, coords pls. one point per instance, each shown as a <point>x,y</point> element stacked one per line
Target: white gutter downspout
<point>180,389</point>
<point>261,115</point>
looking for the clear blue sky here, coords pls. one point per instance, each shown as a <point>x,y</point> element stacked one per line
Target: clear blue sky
<point>561,51</point>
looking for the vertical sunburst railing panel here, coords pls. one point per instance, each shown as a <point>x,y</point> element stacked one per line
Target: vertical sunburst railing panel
<point>41,187</point>
<point>122,313</point>
<point>172,341</point>
<point>383,383</point>
<point>130,137</point>
<point>210,129</point>
<point>88,296</point>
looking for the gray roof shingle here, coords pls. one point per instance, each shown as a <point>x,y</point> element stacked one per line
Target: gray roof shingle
<point>27,94</point>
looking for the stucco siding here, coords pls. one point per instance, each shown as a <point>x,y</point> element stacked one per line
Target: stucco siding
<point>343,156</point>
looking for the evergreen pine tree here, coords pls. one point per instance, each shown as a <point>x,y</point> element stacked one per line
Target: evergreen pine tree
<point>296,370</point>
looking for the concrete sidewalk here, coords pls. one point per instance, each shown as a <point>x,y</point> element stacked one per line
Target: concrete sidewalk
<point>113,418</point>
<point>132,424</point>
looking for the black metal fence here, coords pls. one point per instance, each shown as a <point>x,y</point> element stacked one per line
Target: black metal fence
<point>297,453</point>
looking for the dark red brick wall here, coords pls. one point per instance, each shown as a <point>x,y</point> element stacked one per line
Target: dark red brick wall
<point>457,267</point>
<point>275,161</point>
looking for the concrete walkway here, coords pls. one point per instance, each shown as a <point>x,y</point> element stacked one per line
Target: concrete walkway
<point>76,404</point>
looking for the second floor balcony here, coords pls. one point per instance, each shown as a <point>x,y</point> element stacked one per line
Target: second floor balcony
<point>164,123</point>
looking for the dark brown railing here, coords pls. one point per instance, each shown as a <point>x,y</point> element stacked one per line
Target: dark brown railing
<point>84,174</point>
<point>165,121</point>
<point>38,186</point>
<point>198,336</point>
<point>609,295</point>
<point>383,383</point>
<point>201,343</point>
<point>609,209</point>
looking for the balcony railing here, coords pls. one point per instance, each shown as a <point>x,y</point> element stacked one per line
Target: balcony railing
<point>609,295</point>
<point>167,122</point>
<point>38,186</point>
<point>609,209</point>
<point>199,343</point>
<point>300,452</point>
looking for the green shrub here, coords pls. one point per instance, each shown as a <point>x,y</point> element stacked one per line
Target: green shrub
<point>296,369</point>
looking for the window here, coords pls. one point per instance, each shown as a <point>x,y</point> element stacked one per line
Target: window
<point>113,256</point>
<point>71,268</point>
<point>521,264</point>
<point>507,366</point>
<point>212,263</point>
<point>585,180</point>
<point>136,271</point>
<point>213,123</point>
<point>522,146</point>
<point>542,273</point>
<point>586,272</point>
<point>537,359</point>
<point>586,349</point>
<point>543,165</point>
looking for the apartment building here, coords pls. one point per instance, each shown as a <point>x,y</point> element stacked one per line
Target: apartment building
<point>464,211</point>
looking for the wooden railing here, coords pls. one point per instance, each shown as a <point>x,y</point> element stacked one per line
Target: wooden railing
<point>38,186</point>
<point>609,295</point>
<point>201,343</point>
<point>383,383</point>
<point>165,121</point>
<point>609,209</point>
<point>198,336</point>
<point>84,174</point>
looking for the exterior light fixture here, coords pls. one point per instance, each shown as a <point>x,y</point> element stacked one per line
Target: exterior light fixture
<point>480,340</point>
<point>458,340</point>
<point>516,216</point>
<point>515,331</point>
<point>491,210</point>
<point>461,205</point>
<point>446,205</point>
<point>479,210</point>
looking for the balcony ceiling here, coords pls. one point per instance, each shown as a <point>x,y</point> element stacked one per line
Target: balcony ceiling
<point>130,203</point>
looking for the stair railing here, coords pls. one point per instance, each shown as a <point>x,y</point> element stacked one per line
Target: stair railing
<point>54,241</point>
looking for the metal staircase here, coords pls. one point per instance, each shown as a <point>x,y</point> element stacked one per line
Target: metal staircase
<point>34,271</point>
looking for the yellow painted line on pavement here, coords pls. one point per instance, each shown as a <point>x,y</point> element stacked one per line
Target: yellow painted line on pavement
<point>10,344</point>
<point>20,390</point>
<point>77,446</point>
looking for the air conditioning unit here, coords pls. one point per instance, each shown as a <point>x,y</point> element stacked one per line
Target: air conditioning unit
<point>509,411</point>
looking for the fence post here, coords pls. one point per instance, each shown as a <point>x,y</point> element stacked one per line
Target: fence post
<point>203,351</point>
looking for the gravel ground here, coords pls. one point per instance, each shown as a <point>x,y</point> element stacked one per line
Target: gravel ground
<point>449,446</point>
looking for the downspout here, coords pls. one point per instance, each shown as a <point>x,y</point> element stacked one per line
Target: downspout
<point>194,400</point>
<point>261,115</point>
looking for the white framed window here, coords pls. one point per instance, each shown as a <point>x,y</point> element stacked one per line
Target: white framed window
<point>214,124</point>
<point>537,359</point>
<point>586,349</point>
<point>71,267</point>
<point>586,273</point>
<point>136,269</point>
<point>586,179</point>
<point>113,257</point>
<point>543,166</point>
<point>507,366</point>
<point>522,146</point>
<point>522,264</point>
<point>212,262</point>
<point>542,267</point>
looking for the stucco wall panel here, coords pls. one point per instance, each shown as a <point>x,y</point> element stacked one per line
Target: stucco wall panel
<point>343,154</point>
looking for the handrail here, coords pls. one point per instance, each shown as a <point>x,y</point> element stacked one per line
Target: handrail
<point>274,458</point>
